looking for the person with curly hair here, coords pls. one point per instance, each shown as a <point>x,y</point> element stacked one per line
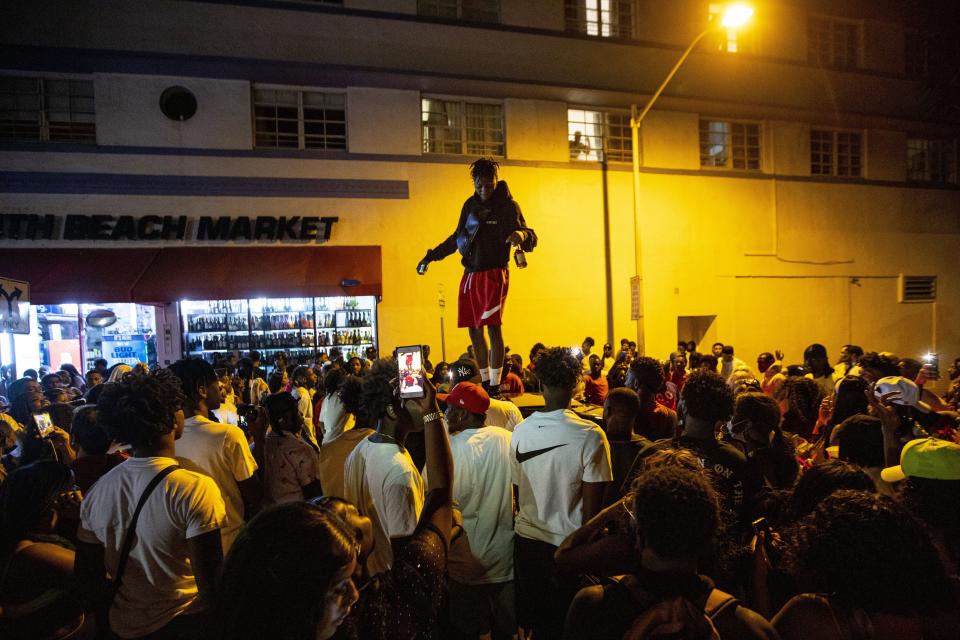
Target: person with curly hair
<point>654,421</point>
<point>799,400</point>
<point>676,521</point>
<point>560,464</point>
<point>379,475</point>
<point>490,222</point>
<point>170,571</point>
<point>866,569</point>
<point>218,449</point>
<point>706,404</point>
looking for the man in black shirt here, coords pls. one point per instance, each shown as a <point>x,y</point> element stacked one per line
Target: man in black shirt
<point>706,403</point>
<point>490,222</point>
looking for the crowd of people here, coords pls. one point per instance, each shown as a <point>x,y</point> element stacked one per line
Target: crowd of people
<point>696,496</point>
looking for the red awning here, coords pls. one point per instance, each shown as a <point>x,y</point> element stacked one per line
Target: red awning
<point>155,275</point>
<point>59,276</point>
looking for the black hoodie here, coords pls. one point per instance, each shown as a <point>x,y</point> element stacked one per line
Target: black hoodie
<point>482,232</point>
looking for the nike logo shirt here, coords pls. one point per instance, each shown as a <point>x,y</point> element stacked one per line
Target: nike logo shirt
<point>552,454</point>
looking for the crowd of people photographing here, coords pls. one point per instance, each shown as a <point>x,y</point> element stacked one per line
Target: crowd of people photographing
<point>697,496</point>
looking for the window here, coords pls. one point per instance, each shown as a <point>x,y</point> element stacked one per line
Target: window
<point>833,43</point>
<point>54,109</point>
<point>835,153</point>
<point>595,135</point>
<point>470,10</point>
<point>295,119</point>
<point>604,18</point>
<point>461,127</point>
<point>930,160</point>
<point>730,145</point>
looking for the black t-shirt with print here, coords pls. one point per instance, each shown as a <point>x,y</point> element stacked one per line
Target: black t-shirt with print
<point>733,478</point>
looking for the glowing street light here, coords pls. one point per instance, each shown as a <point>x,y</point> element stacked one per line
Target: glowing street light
<point>735,16</point>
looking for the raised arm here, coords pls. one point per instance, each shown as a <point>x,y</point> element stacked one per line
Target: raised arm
<point>438,509</point>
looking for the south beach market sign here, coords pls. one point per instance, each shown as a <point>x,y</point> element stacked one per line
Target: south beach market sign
<point>284,229</point>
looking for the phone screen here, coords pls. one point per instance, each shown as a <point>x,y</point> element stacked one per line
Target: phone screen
<point>410,364</point>
<point>44,423</point>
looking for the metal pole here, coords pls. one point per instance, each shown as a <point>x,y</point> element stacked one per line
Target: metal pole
<point>635,120</point>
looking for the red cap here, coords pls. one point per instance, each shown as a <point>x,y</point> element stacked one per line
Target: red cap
<point>469,396</point>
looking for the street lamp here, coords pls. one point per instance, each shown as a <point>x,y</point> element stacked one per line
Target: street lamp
<point>734,16</point>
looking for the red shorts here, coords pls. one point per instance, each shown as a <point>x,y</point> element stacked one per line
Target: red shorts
<point>482,294</point>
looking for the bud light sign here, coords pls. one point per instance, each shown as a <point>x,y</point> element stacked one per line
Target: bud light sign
<point>128,349</point>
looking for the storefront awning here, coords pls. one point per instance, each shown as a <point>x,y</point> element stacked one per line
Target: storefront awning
<point>159,275</point>
<point>59,276</point>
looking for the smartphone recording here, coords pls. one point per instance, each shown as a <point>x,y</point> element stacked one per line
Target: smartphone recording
<point>410,366</point>
<point>44,424</point>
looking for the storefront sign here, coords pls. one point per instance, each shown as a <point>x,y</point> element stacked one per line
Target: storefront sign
<point>290,229</point>
<point>126,349</point>
<point>14,306</point>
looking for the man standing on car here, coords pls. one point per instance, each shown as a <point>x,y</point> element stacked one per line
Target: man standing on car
<point>490,222</point>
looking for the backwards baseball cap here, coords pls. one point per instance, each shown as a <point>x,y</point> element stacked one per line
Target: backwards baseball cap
<point>464,370</point>
<point>469,396</point>
<point>929,458</point>
<point>905,391</point>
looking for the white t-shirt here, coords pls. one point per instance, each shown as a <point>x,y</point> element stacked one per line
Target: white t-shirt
<point>227,412</point>
<point>334,417</point>
<point>220,451</point>
<point>552,454</point>
<point>503,413</point>
<point>304,398</point>
<point>158,583</point>
<point>382,481</point>
<point>483,491</point>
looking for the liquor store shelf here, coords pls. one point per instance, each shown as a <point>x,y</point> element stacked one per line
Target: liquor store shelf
<point>222,331</point>
<point>261,349</point>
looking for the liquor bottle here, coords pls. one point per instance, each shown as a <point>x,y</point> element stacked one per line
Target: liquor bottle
<point>520,258</point>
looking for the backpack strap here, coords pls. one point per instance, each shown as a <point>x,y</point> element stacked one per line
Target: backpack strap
<point>718,602</point>
<point>127,545</point>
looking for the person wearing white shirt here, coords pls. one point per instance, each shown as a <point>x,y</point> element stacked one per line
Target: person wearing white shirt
<point>480,565</point>
<point>219,450</point>
<point>379,475</point>
<point>502,413</point>
<point>304,387</point>
<point>560,465</point>
<point>227,411</point>
<point>171,569</point>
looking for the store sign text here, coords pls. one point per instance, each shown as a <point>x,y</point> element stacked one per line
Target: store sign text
<point>170,228</point>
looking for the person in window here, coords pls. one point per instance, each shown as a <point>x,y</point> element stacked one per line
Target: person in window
<point>490,222</point>
<point>579,147</point>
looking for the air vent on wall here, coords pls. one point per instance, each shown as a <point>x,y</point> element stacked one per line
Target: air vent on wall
<point>918,288</point>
